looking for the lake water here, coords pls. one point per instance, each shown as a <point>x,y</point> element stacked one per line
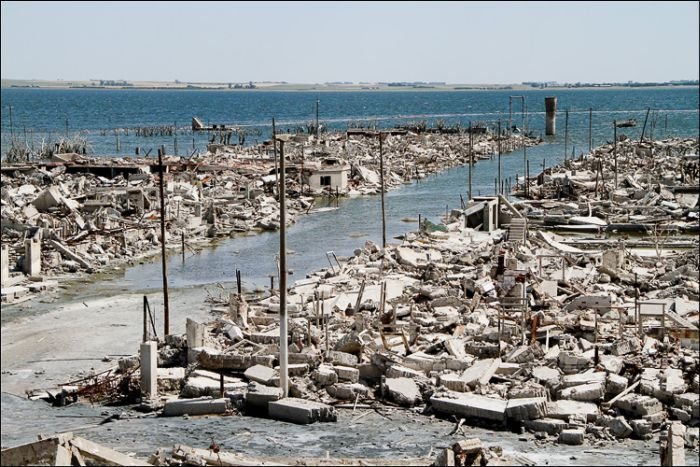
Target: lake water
<point>48,113</point>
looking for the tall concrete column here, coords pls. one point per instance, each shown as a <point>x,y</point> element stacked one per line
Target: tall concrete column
<point>673,447</point>
<point>195,338</point>
<point>149,369</point>
<point>5,262</point>
<point>32,257</point>
<point>550,106</point>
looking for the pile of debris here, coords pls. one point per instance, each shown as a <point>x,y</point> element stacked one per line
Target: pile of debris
<point>496,326</point>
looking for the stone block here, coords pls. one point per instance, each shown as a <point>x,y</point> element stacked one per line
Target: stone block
<point>566,409</point>
<point>403,391</point>
<point>470,405</point>
<point>480,372</point>
<point>260,374</point>
<point>258,396</point>
<point>573,437</point>
<point>526,409</point>
<point>203,406</point>
<point>324,375</point>
<point>584,392</point>
<point>638,406</point>
<point>301,411</point>
<point>551,426</point>
<point>620,428</point>
<point>346,373</point>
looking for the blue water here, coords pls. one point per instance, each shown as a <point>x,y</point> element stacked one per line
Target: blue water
<point>45,111</point>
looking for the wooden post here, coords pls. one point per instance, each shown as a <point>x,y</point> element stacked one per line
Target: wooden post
<point>183,245</point>
<point>663,321</point>
<point>145,322</point>
<point>166,305</point>
<point>527,177</point>
<point>590,129</point>
<point>238,281</point>
<point>615,149</point>
<point>641,138</point>
<point>284,370</point>
<point>381,176</point>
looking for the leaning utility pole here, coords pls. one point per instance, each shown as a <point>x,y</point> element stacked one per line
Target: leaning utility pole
<point>317,102</point>
<point>566,134</point>
<point>471,158</point>
<point>166,306</point>
<point>381,178</point>
<point>498,186</point>
<point>274,150</point>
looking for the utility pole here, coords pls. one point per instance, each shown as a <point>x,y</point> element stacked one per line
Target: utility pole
<point>615,149</point>
<point>12,127</point>
<point>317,102</point>
<point>381,178</point>
<point>274,150</point>
<point>284,370</point>
<point>166,305</point>
<point>499,158</point>
<point>471,158</point>
<point>566,134</point>
<point>590,130</point>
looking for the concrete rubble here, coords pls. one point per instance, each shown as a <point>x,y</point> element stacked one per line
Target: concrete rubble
<point>577,340</point>
<point>77,214</point>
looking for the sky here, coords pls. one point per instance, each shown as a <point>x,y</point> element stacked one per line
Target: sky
<point>316,42</point>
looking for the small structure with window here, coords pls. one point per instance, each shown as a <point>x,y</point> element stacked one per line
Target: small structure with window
<point>331,173</point>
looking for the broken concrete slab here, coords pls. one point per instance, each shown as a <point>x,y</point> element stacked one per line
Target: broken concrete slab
<point>201,406</point>
<point>301,411</point>
<point>530,408</point>
<point>260,374</point>
<point>470,405</point>
<point>480,372</point>
<point>403,391</point>
<point>564,409</point>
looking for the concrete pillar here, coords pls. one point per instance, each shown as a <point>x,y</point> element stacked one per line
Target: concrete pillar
<point>32,257</point>
<point>5,262</point>
<point>149,369</point>
<point>673,450</point>
<point>195,338</point>
<point>550,106</point>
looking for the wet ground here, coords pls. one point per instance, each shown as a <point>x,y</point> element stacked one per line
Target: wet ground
<point>389,433</point>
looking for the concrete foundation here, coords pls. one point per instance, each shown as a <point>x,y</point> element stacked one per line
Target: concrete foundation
<point>195,338</point>
<point>301,411</point>
<point>4,264</point>
<point>673,450</point>
<point>149,370</point>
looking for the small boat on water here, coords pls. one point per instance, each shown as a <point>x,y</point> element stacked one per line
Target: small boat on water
<point>626,123</point>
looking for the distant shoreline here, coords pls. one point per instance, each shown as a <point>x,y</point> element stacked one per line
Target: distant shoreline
<point>162,86</point>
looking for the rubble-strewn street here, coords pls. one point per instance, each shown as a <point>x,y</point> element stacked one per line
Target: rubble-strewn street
<point>587,336</point>
<point>76,214</point>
